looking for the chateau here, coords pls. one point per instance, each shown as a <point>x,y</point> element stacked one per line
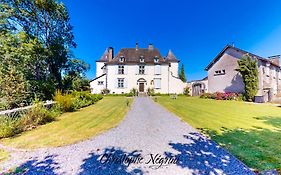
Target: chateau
<point>139,68</point>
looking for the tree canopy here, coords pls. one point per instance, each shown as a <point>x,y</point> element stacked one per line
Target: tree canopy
<point>35,50</point>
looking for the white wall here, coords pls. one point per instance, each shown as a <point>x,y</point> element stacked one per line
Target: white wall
<point>169,84</point>
<point>99,71</point>
<point>95,88</point>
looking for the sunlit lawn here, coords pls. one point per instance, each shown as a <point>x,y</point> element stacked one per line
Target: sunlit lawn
<point>75,126</point>
<point>252,132</point>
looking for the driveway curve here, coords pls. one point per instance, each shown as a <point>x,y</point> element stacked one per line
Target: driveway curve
<point>150,140</point>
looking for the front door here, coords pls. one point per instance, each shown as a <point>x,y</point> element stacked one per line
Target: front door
<point>141,87</point>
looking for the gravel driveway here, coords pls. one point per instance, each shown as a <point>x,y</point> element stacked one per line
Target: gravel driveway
<point>150,140</point>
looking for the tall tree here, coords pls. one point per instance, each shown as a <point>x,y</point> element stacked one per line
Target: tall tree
<point>14,87</point>
<point>74,75</point>
<point>248,68</point>
<point>48,21</point>
<point>182,74</point>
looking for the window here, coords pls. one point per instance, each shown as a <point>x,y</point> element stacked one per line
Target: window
<point>219,72</point>
<point>120,83</point>
<point>157,70</point>
<point>141,69</point>
<point>120,69</point>
<point>156,60</point>
<point>141,59</point>
<point>157,83</point>
<point>121,59</point>
<point>100,82</point>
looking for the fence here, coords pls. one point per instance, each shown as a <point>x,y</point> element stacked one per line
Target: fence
<point>23,109</point>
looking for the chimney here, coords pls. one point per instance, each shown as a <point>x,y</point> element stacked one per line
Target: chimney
<point>150,47</point>
<point>110,53</point>
<point>137,46</point>
<point>275,59</point>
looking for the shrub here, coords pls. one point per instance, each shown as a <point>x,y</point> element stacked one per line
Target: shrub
<point>4,105</point>
<point>248,68</point>
<point>133,92</point>
<point>38,115</point>
<point>150,92</point>
<point>84,98</point>
<point>207,96</point>
<point>186,91</point>
<point>65,102</point>
<point>105,91</point>
<point>9,126</point>
<point>220,96</point>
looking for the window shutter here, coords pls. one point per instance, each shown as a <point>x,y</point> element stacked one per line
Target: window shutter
<point>125,69</point>
<point>116,83</point>
<point>116,69</point>
<point>125,83</point>
<point>137,69</point>
<point>145,70</point>
<point>157,83</point>
<point>157,69</point>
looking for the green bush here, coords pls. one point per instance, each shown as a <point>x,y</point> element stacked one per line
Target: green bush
<point>38,115</point>
<point>4,105</point>
<point>72,101</point>
<point>186,91</point>
<point>150,92</point>
<point>19,122</point>
<point>9,126</point>
<point>83,99</point>
<point>66,102</point>
<point>105,91</point>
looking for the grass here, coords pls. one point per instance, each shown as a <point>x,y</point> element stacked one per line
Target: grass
<point>75,126</point>
<point>252,132</point>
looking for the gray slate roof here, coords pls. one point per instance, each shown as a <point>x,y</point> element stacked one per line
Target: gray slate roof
<point>133,55</point>
<point>239,50</point>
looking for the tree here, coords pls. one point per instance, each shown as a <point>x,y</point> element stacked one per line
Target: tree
<point>14,87</point>
<point>248,68</point>
<point>74,75</point>
<point>47,21</point>
<point>182,74</point>
<point>36,42</point>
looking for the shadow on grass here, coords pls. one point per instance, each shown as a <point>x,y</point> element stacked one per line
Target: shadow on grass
<point>97,164</point>
<point>258,148</point>
<point>40,167</point>
<point>204,156</point>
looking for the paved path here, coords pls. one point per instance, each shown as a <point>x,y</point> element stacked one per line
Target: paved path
<point>150,139</point>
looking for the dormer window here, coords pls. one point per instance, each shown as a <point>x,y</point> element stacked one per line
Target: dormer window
<point>142,59</point>
<point>156,59</point>
<point>122,59</point>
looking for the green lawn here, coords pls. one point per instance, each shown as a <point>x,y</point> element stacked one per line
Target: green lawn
<point>75,126</point>
<point>252,132</point>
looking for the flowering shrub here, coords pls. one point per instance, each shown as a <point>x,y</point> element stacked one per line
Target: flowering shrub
<point>221,96</point>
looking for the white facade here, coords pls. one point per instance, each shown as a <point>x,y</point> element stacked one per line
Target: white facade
<point>122,78</point>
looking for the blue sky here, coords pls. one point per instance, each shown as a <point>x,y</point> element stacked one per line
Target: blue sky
<point>195,30</point>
